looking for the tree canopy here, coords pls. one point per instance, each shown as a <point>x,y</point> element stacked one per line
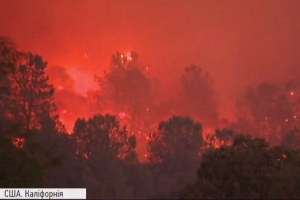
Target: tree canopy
<point>266,111</point>
<point>176,138</point>
<point>248,169</point>
<point>103,136</point>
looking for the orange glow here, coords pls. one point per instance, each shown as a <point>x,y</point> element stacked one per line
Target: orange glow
<point>60,87</point>
<point>63,112</point>
<point>208,130</point>
<point>168,43</point>
<point>18,142</point>
<point>283,155</point>
<point>128,56</point>
<point>123,115</point>
<point>83,81</point>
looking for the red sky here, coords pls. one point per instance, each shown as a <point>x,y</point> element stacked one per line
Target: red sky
<point>238,42</point>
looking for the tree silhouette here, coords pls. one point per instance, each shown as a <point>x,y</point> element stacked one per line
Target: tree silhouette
<point>174,150</point>
<point>105,147</point>
<point>29,96</point>
<point>103,136</point>
<point>8,59</point>
<point>32,95</point>
<point>266,112</point>
<point>196,88</point>
<point>126,89</point>
<point>248,169</point>
<point>176,138</point>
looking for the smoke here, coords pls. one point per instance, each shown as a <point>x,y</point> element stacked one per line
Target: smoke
<point>238,43</point>
<point>269,110</point>
<point>71,104</point>
<point>60,78</point>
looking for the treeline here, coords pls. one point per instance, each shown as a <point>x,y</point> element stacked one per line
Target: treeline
<point>101,155</point>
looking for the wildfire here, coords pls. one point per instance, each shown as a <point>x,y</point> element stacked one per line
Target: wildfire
<point>122,115</point>
<point>147,137</point>
<point>217,144</point>
<point>283,155</point>
<point>18,142</point>
<point>129,56</point>
<point>63,112</point>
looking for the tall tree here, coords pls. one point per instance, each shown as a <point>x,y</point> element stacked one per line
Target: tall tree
<point>197,90</point>
<point>175,150</point>
<point>31,97</point>
<point>105,147</point>
<point>9,56</point>
<point>28,95</point>
<point>266,112</point>
<point>176,138</point>
<point>103,136</point>
<point>127,89</point>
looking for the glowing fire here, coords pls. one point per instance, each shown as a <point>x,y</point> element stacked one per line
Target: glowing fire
<point>123,115</point>
<point>82,87</point>
<point>63,112</point>
<point>18,142</point>
<point>283,155</point>
<point>129,56</point>
<point>147,137</point>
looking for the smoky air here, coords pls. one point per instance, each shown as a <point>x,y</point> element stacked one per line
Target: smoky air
<point>151,99</point>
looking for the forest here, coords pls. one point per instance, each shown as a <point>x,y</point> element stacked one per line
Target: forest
<point>132,142</point>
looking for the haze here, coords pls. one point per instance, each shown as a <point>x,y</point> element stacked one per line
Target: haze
<point>151,99</point>
<point>237,42</point>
